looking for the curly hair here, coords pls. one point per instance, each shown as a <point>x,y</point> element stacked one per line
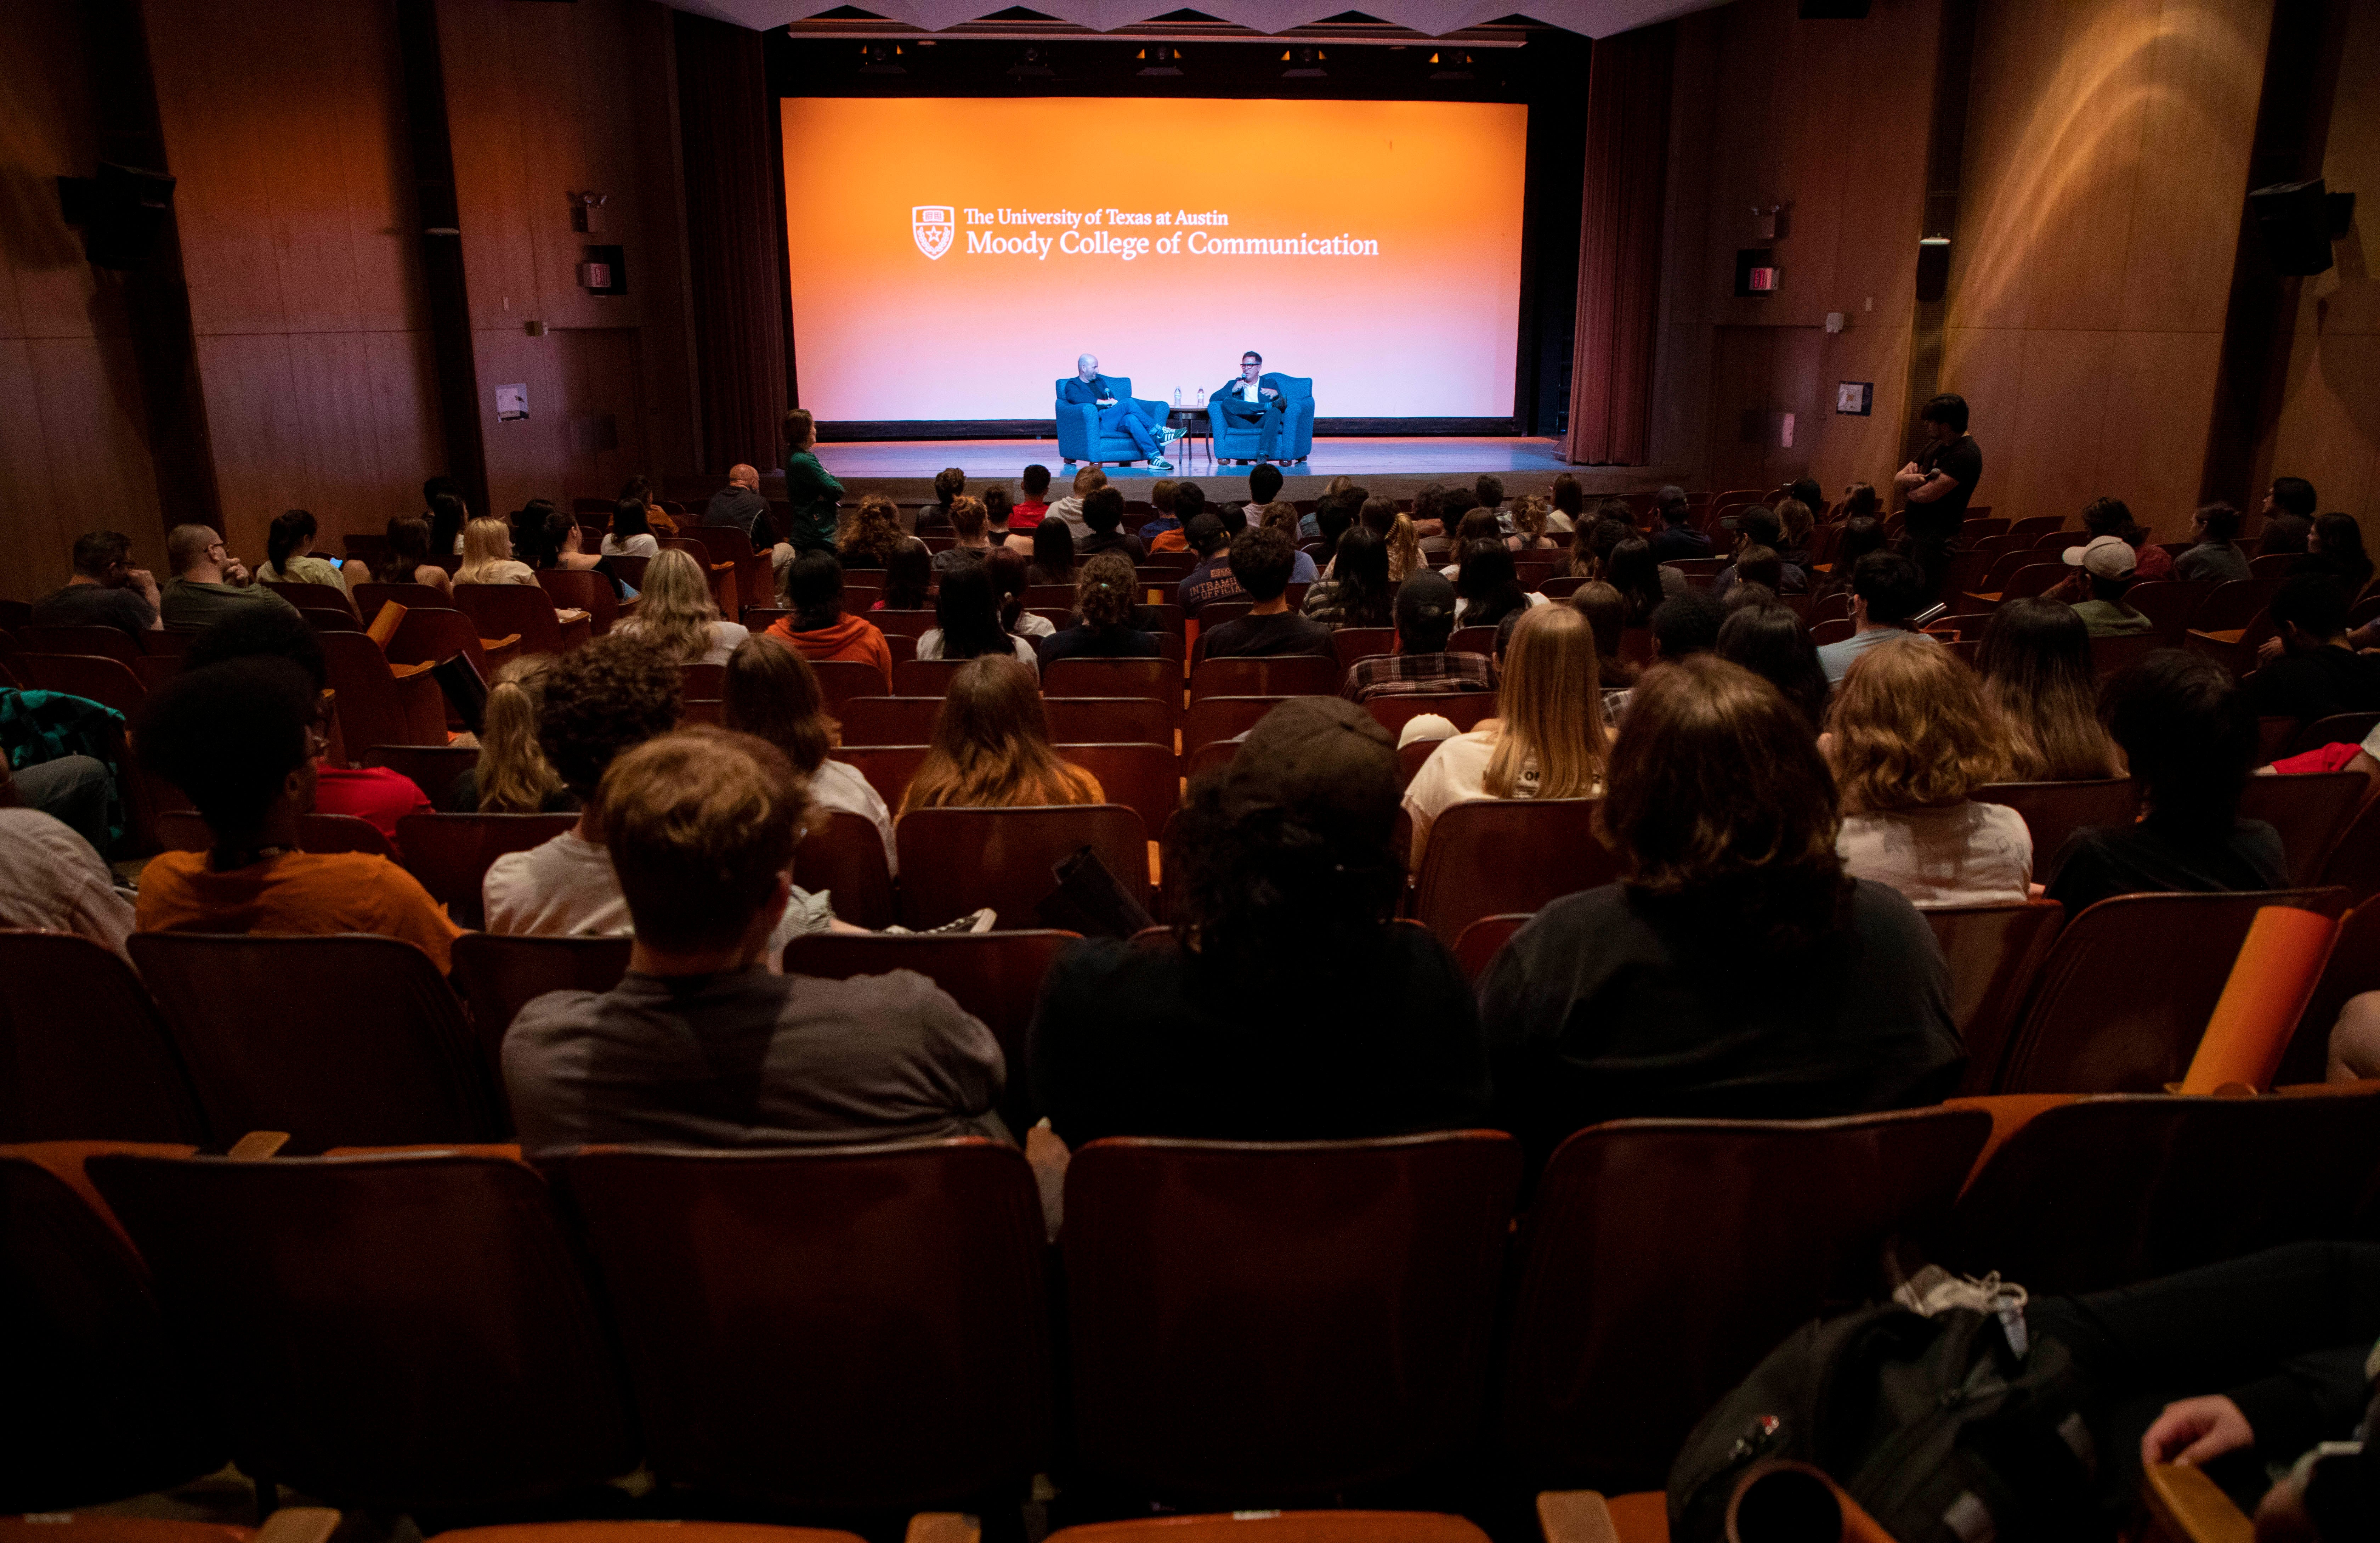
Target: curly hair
<point>1911,729</point>
<point>1105,590</point>
<point>877,531</point>
<point>600,699</point>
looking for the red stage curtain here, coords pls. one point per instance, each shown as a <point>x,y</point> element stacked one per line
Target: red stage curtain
<point>1619,247</point>
<point>726,120</point>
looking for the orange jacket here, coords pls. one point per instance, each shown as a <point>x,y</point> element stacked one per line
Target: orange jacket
<point>852,637</point>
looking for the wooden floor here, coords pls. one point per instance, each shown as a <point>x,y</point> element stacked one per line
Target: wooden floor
<point>1399,467</point>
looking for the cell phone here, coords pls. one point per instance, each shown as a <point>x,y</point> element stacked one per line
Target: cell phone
<point>1928,617</point>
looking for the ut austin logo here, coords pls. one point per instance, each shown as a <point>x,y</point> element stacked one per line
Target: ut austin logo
<point>931,224</point>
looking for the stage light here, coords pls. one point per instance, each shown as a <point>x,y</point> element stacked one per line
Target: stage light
<point>1308,66</point>
<point>1161,59</point>
<point>1033,63</point>
<point>880,59</point>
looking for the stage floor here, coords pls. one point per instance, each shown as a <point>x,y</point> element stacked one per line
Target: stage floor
<point>1420,455</point>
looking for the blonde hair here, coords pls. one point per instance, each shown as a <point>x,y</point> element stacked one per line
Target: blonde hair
<point>514,776</point>
<point>1550,709</point>
<point>1529,516</point>
<point>992,749</point>
<point>1910,729</point>
<point>675,611</point>
<point>486,542</point>
<point>967,516</point>
<point>1404,551</point>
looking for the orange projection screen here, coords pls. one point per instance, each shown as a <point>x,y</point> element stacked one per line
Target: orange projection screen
<point>949,258</point>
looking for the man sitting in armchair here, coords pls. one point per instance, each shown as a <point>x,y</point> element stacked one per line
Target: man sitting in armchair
<point>1255,400</point>
<point>1118,414</point>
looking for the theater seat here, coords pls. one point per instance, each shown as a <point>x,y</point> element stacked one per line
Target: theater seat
<point>1490,856</point>
<point>1255,1324</point>
<point>399,1331</point>
<point>498,976</point>
<point>1480,942</point>
<point>844,855</point>
<point>633,1532</point>
<point>451,853</point>
<point>955,860</point>
<point>1995,953</point>
<point>1281,1526</point>
<point>83,1055</point>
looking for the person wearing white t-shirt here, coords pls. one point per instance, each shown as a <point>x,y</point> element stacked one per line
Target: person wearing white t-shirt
<point>1910,740</point>
<point>1548,739</point>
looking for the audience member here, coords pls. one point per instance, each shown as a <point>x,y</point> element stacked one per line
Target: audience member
<point>1674,537</point>
<point>407,558</point>
<point>1644,581</point>
<point>2037,680</point>
<point>1264,486</point>
<point>1859,501</point>
<point>51,879</point>
<point>997,505</point>
<point>1212,579</point>
<point>1035,482</point>
<point>2189,735</point>
<point>1548,739</point>
<point>1154,532</point>
<point>445,515</point>
<point>875,534</point>
<point>1687,625</point>
<point>966,620</point>
<point>813,497</point>
<point>970,523</point>
<point>2287,515</point>
<point>1053,553</point>
<point>1607,613</point>
<point>949,484</point>
<point>676,613</point>
<point>1009,579</point>
<point>1421,666</point>
<point>2112,517</point>
<point>1333,518</point>
<point>1861,535</point>
<point>288,559</point>
<point>1281,516</point>
<point>2334,546</point>
<point>1106,600</point>
<point>1910,741</point>
<point>1357,593</point>
<point>1886,590</point>
<point>817,628</point>
<point>1290,1004</point>
<point>1103,513</point>
<point>2213,556</point>
<point>1769,641</point>
<point>550,539</point>
<point>631,534</point>
<point>1794,523</point>
<point>1489,490</point>
<point>375,795</point>
<point>1262,564</point>
<point>1755,568</point>
<point>1570,503</point>
<point>512,775</point>
<point>1735,971</point>
<point>991,747</point>
<point>240,740</point>
<point>698,1046</point>
<point>1937,487</point>
<point>1529,514</point>
<point>772,695</point>
<point>208,583</point>
<point>488,556</point>
<point>105,590</point>
<point>909,577</point>
<point>1404,547</point>
<point>2105,568</point>
<point>658,520</point>
<point>740,506</point>
<point>1489,589</point>
<point>1758,528</point>
<point>1069,509</point>
<point>2316,675</point>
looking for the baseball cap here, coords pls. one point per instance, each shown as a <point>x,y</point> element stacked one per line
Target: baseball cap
<point>2103,557</point>
<point>1426,596</point>
<point>1762,521</point>
<point>1321,760</point>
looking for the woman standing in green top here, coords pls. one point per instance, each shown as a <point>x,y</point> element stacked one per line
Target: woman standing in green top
<point>810,493</point>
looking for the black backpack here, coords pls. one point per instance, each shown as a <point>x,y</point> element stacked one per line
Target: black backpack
<point>1934,1425</point>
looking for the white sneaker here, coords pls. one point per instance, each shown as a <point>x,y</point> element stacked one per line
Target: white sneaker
<point>982,920</point>
<point>1168,436</point>
<point>1158,463</point>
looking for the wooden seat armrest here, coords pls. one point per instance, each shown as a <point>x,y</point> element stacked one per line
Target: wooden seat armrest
<point>491,645</point>
<point>256,1146</point>
<point>402,670</point>
<point>943,1526</point>
<point>2229,635</point>
<point>2185,1506</point>
<point>299,1523</point>
<point>1575,1516</point>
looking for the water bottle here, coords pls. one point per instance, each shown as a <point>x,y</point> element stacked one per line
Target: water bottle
<point>1202,397</point>
<point>1177,397</point>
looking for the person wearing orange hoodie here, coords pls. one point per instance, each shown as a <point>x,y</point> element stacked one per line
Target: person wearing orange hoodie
<point>817,628</point>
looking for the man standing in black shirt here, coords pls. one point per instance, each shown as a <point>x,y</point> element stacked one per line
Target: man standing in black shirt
<point>1937,486</point>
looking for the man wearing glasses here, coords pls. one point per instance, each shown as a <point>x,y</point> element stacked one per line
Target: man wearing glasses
<point>208,583</point>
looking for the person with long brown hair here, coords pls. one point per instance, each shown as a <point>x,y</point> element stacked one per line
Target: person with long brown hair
<point>2038,679</point>
<point>1910,738</point>
<point>405,560</point>
<point>676,613</point>
<point>1548,739</point>
<point>773,694</point>
<point>872,538</point>
<point>1734,971</point>
<point>990,746</point>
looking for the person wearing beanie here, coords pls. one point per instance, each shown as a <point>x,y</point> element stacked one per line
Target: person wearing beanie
<point>1289,1004</point>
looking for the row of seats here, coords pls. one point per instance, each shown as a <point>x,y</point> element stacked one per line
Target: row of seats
<point>872,1326</point>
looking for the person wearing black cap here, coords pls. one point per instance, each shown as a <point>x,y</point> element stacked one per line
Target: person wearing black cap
<point>1421,666</point>
<point>1758,527</point>
<point>1289,1004</point>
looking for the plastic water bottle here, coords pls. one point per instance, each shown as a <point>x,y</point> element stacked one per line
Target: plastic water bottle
<point>1177,397</point>
<point>1202,397</point>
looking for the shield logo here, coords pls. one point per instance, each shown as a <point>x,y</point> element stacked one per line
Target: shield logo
<point>931,224</point>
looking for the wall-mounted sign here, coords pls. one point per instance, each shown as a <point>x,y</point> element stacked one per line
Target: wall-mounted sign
<point>1856,397</point>
<point>512,403</point>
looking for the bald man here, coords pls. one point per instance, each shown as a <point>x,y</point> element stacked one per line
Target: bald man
<point>740,504</point>
<point>208,583</point>
<point>1121,414</point>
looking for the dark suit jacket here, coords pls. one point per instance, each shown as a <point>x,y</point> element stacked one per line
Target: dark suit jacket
<point>1087,393</point>
<point>1230,393</point>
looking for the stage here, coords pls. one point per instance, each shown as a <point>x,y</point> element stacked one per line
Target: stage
<point>1397,467</point>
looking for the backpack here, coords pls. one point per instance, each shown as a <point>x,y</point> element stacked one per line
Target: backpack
<point>1936,1426</point>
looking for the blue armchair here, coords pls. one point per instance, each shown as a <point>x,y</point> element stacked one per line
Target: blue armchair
<point>1079,438</point>
<point>1235,441</point>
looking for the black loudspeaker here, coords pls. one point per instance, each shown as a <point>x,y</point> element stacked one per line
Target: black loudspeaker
<point>121,211</point>
<point>2296,220</point>
<point>1834,10</point>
